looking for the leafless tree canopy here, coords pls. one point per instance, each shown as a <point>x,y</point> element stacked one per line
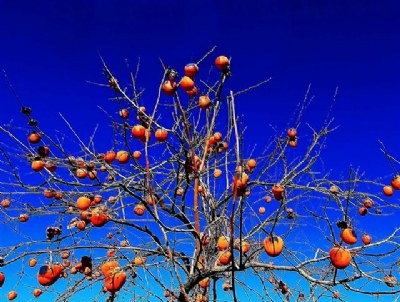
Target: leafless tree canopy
<point>172,209</point>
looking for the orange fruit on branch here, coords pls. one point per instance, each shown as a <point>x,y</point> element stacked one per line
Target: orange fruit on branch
<point>49,193</point>
<point>32,262</point>
<point>388,190</point>
<point>81,173</point>
<point>23,217</point>
<point>2,279</point>
<point>217,173</point>
<point>204,102</point>
<point>137,155</point>
<point>292,133</point>
<point>34,137</point>
<point>340,257</point>
<point>169,88</point>
<point>204,283</point>
<point>395,183</point>
<point>37,165</point>
<point>225,257</point>
<point>192,93</point>
<point>109,157</point>
<point>240,180</point>
<point>251,163</point>
<point>334,189</point>
<point>122,156</point>
<point>390,280</point>
<point>124,113</point>
<point>161,135</point>
<point>348,236</point>
<point>115,280</point>
<point>138,131</point>
<point>273,245</point>
<point>368,203</point>
<point>363,211</point>
<point>12,295</point>
<point>222,62</point>
<point>223,242</point>
<point>81,225</point>
<point>139,209</point>
<point>49,274</point>
<point>217,136</point>
<point>83,203</point>
<point>37,292</point>
<point>108,266</point>
<point>278,191</point>
<point>139,260</point>
<point>5,203</point>
<point>191,70</point>
<point>186,83</point>
<point>293,142</point>
<point>98,218</point>
<point>366,239</point>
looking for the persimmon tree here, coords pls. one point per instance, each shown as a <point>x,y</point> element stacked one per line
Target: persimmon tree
<point>174,210</point>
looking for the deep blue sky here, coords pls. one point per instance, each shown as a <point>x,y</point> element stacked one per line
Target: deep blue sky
<point>49,50</point>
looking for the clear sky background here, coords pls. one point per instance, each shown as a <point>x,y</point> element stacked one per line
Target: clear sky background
<point>50,49</point>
